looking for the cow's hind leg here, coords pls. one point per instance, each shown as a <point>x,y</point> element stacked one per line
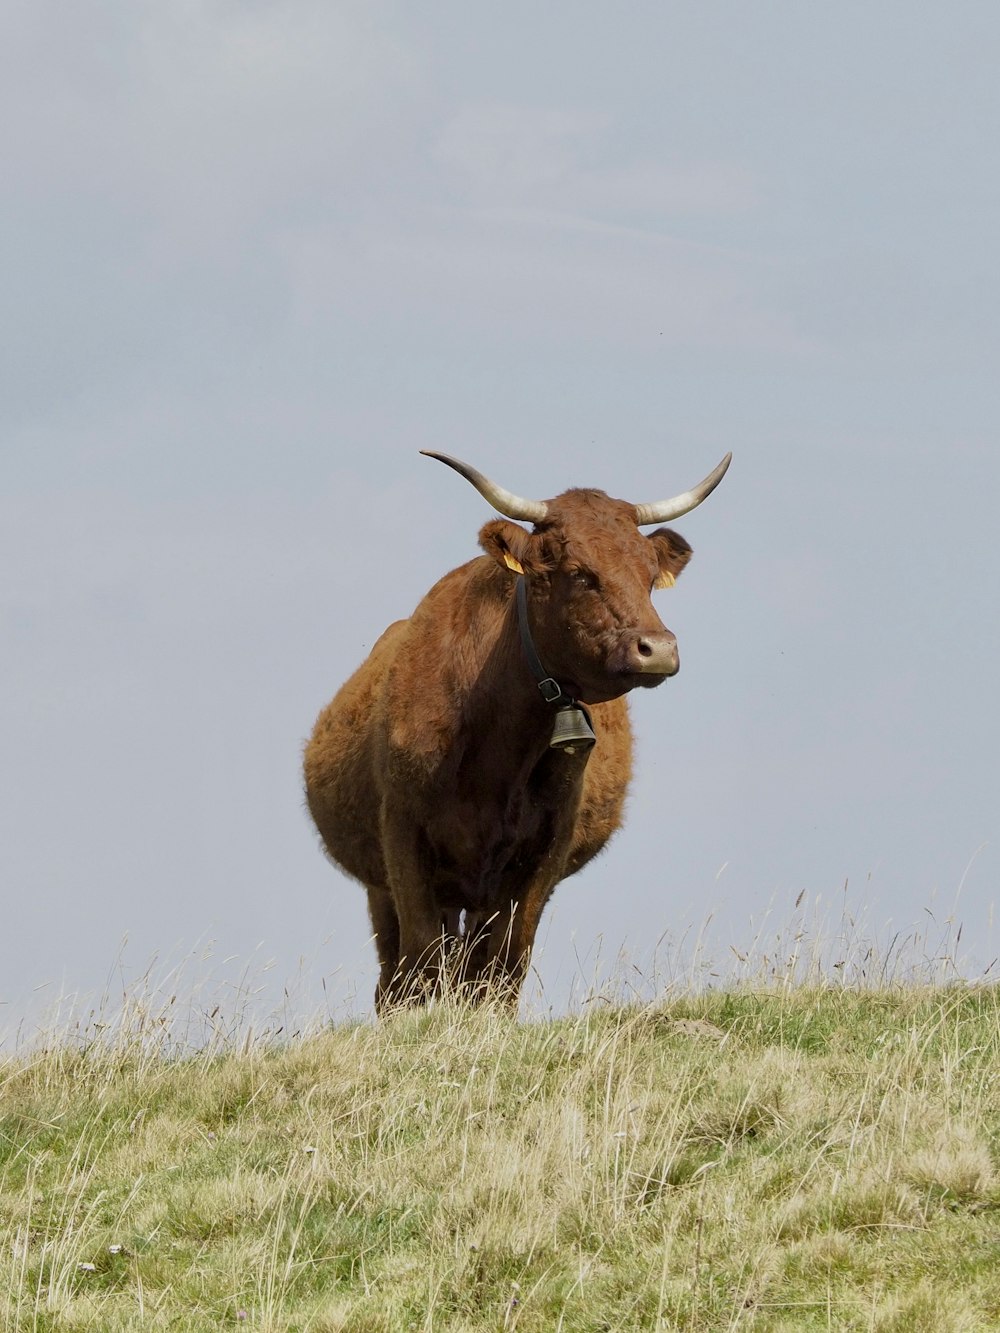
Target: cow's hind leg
<point>408,974</point>
<point>422,924</point>
<point>411,971</point>
<point>385,925</point>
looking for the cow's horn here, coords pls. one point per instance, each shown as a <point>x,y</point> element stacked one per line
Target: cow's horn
<point>505,502</point>
<point>684,503</point>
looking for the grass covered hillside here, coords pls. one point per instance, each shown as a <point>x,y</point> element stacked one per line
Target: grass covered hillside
<point>794,1158</point>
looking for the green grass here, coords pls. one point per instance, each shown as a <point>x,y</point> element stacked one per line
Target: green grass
<point>790,1157</point>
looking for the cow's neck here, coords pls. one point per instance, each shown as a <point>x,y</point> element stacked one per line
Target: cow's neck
<point>507,721</point>
<point>572,728</point>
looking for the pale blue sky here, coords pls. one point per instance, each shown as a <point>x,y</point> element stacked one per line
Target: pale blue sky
<point>256,256</point>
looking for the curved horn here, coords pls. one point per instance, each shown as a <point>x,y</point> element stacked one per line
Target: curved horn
<point>505,502</point>
<point>683,503</point>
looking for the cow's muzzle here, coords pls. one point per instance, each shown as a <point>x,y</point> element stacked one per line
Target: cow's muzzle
<point>652,654</point>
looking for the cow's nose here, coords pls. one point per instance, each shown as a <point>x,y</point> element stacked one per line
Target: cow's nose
<point>655,654</point>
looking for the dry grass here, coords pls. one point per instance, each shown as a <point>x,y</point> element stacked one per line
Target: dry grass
<point>783,1156</point>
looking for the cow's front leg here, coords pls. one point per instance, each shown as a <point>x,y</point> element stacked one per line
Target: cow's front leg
<point>501,954</point>
<point>505,961</point>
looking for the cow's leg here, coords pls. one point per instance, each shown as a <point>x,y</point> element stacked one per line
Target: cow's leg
<point>423,950</point>
<point>471,956</point>
<point>422,925</point>
<point>385,925</point>
<point>511,938</point>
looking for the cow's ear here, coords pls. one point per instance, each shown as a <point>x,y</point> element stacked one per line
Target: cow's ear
<point>672,554</point>
<point>511,546</point>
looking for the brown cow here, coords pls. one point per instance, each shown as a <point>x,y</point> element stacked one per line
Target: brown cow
<point>456,774</point>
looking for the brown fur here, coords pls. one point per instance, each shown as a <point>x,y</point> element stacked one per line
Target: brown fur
<point>430,776</point>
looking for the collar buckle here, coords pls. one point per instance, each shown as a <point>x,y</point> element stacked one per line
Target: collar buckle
<point>551,691</point>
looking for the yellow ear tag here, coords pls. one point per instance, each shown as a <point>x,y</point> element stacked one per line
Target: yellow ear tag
<point>511,563</point>
<point>665,580</point>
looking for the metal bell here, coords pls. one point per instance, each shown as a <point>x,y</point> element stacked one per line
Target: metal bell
<point>572,730</point>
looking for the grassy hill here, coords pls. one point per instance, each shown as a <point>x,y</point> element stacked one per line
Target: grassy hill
<point>789,1158</point>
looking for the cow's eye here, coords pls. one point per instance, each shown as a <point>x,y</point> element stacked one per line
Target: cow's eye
<point>583,578</point>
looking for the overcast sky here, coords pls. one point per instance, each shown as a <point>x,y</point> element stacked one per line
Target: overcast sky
<point>256,256</point>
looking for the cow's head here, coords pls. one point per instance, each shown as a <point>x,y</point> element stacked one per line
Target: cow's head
<point>590,574</point>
